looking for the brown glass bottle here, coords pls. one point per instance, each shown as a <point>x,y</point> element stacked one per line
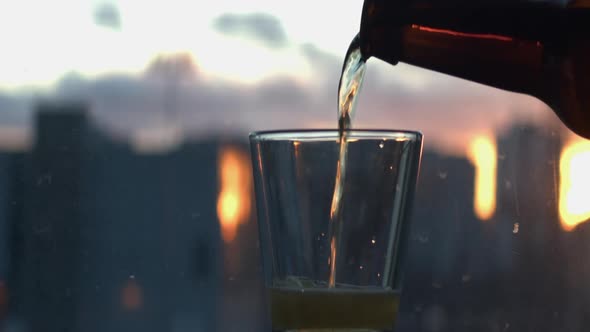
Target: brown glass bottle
<point>540,48</point>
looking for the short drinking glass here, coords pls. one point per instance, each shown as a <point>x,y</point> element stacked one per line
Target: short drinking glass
<point>295,174</point>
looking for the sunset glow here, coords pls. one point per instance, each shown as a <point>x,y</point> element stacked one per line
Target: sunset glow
<point>483,154</point>
<point>574,184</point>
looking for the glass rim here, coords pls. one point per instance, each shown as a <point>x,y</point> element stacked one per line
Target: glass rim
<point>322,134</point>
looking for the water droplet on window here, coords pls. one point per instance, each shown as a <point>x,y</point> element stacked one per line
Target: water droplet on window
<point>423,238</point>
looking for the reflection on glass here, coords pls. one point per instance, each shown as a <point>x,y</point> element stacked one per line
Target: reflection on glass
<point>483,154</point>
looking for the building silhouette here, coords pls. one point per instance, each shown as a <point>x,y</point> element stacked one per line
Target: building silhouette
<point>49,199</point>
<point>435,288</point>
<point>528,229</point>
<point>502,274</point>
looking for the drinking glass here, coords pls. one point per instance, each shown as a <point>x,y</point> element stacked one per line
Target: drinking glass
<point>294,176</point>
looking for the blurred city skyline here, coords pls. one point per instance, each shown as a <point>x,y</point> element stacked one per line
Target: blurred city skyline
<point>230,68</point>
<point>98,236</point>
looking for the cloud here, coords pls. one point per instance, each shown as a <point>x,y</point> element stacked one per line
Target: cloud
<point>107,15</point>
<point>448,111</point>
<point>326,66</point>
<point>15,109</point>
<point>318,57</point>
<point>262,27</point>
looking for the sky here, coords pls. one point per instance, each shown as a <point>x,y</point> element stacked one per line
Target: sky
<point>155,70</point>
<point>42,40</point>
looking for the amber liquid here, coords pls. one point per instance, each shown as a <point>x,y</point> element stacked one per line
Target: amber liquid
<point>330,310</point>
<point>351,79</point>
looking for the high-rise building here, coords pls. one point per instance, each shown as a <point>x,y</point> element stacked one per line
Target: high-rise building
<point>528,235</point>
<point>46,255</point>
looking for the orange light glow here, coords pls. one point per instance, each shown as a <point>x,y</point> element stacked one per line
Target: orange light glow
<point>484,156</point>
<point>233,202</point>
<point>574,184</point>
<point>131,295</point>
